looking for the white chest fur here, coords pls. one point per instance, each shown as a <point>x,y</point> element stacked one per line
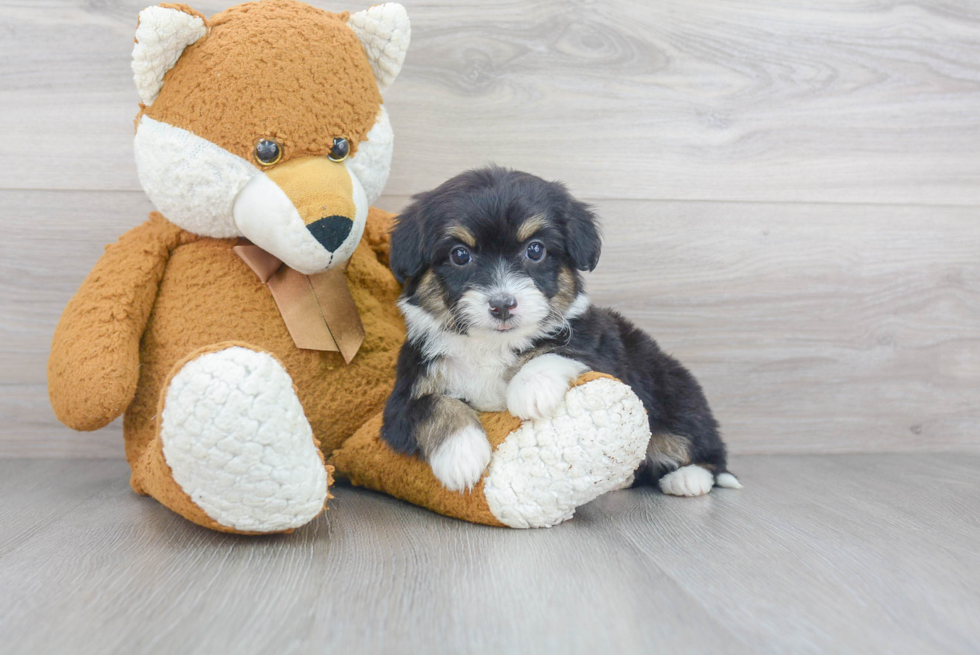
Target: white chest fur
<point>476,368</point>
<point>475,371</point>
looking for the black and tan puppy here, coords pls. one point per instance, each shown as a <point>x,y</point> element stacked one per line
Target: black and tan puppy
<point>498,319</point>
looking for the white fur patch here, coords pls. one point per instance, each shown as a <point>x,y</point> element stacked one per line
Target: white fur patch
<point>690,480</point>
<point>236,438</point>
<point>545,469</point>
<point>472,368</point>
<point>728,481</point>
<point>460,460</point>
<point>578,307</point>
<point>190,180</point>
<point>161,37</point>
<point>372,161</point>
<point>539,387</point>
<point>528,317</point>
<point>266,216</point>
<point>385,32</point>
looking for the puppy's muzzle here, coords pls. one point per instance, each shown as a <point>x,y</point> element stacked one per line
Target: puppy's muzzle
<point>322,193</point>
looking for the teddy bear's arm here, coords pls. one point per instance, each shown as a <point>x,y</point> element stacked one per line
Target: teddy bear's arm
<point>94,363</point>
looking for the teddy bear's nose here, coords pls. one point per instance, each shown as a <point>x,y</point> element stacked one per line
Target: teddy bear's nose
<point>322,193</point>
<point>331,231</point>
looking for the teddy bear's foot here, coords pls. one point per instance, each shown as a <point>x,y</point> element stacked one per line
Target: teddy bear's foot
<point>546,468</point>
<point>236,440</point>
<point>539,472</point>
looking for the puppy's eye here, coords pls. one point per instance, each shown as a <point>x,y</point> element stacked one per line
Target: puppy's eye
<point>267,152</point>
<point>340,149</point>
<point>460,256</point>
<point>535,251</point>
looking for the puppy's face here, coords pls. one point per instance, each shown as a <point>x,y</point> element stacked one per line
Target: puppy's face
<point>494,254</point>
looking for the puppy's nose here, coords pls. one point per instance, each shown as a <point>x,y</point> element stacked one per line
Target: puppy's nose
<point>501,306</point>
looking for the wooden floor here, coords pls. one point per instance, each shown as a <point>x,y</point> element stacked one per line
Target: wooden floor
<point>845,553</point>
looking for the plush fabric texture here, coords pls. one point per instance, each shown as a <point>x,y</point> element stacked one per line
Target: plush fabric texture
<point>547,468</point>
<point>160,294</point>
<point>365,460</point>
<point>189,179</point>
<point>162,33</point>
<point>94,364</point>
<point>238,443</point>
<point>372,162</point>
<point>385,32</point>
<point>275,69</point>
<point>157,478</point>
<point>540,471</point>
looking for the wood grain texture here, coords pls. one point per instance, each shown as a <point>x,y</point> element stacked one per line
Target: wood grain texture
<point>846,329</point>
<point>824,326</point>
<point>862,101</point>
<point>30,428</point>
<point>850,328</point>
<point>864,554</point>
<point>844,554</point>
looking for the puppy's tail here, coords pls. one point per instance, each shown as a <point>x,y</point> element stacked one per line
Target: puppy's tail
<point>727,481</point>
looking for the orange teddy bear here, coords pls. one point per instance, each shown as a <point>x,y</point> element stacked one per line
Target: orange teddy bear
<point>249,330</point>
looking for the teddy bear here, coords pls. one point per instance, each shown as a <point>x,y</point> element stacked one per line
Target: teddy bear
<point>248,330</point>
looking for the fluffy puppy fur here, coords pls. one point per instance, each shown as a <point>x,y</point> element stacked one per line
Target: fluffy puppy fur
<point>498,319</point>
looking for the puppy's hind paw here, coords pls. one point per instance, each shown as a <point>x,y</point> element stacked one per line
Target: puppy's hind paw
<point>460,460</point>
<point>540,386</point>
<point>691,480</point>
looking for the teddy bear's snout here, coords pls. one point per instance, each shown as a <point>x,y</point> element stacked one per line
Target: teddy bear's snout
<point>309,212</point>
<point>331,231</point>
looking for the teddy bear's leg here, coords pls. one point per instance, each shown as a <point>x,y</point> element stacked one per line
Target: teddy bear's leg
<point>540,470</point>
<point>234,451</point>
<point>546,468</point>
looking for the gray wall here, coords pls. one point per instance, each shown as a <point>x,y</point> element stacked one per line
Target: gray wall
<point>790,190</point>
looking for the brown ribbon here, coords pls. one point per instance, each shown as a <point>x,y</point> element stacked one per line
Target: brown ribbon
<point>318,309</point>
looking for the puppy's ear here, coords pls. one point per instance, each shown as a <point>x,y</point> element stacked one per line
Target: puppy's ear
<point>409,250</point>
<point>582,239</point>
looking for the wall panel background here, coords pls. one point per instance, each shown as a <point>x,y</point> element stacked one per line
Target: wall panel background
<point>790,190</point>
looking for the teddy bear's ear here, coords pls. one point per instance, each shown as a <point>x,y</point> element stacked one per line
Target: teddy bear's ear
<point>161,35</point>
<point>385,32</point>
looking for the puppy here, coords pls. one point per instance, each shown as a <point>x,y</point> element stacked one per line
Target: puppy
<point>498,319</point>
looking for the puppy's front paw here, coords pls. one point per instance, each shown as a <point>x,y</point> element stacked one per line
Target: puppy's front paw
<point>539,387</point>
<point>460,460</point>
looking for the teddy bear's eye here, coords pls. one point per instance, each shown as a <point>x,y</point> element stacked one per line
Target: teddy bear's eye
<point>267,152</point>
<point>340,149</point>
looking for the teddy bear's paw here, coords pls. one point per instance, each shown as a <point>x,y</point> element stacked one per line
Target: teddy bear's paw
<point>238,443</point>
<point>592,444</point>
<point>460,460</point>
<point>691,480</point>
<point>539,387</point>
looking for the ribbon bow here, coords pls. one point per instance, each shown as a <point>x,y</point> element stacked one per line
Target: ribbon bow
<point>318,309</point>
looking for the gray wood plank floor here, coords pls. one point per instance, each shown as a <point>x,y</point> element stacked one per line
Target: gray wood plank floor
<point>847,553</point>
